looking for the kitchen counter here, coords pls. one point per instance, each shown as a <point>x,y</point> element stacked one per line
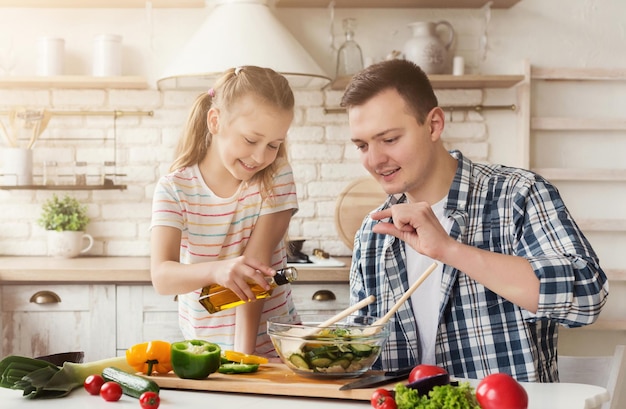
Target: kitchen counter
<point>18,270</point>
<point>541,396</point>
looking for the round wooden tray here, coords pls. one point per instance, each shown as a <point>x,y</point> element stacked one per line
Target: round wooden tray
<point>354,203</point>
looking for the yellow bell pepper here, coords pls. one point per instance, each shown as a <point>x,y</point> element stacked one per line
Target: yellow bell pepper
<point>242,358</point>
<point>150,357</point>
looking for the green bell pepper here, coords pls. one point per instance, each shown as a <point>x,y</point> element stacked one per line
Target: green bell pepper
<point>195,359</point>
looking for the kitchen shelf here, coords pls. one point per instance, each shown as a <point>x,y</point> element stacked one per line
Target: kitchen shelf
<point>410,4</point>
<point>586,175</point>
<point>577,124</point>
<point>604,225</point>
<point>496,4</point>
<point>65,187</point>
<point>472,81</point>
<point>74,82</point>
<point>605,325</point>
<point>102,3</point>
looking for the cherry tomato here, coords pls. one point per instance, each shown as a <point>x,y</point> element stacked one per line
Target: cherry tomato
<point>93,383</point>
<point>111,391</point>
<point>383,399</point>
<point>149,400</point>
<point>501,391</point>
<point>424,371</point>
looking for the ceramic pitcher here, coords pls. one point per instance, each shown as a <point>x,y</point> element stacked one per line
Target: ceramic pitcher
<point>426,48</point>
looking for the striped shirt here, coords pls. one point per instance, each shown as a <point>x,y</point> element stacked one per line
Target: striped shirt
<point>215,228</point>
<point>504,210</point>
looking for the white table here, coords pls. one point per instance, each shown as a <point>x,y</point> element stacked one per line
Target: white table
<point>541,396</point>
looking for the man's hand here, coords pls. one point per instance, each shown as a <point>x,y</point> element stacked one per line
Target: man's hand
<point>416,225</point>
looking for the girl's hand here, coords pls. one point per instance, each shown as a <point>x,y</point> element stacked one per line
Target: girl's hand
<point>237,274</point>
<point>416,225</point>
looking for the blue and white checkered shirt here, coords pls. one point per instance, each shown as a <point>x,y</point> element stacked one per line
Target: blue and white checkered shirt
<point>504,210</point>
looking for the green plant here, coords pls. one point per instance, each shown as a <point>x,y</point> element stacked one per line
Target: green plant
<point>63,214</point>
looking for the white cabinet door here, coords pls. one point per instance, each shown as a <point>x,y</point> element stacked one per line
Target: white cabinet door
<point>143,315</point>
<point>320,298</point>
<point>41,319</point>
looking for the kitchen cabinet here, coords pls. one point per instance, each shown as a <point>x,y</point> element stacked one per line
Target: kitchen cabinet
<point>103,305</point>
<point>562,117</point>
<point>40,319</point>
<point>324,298</point>
<point>143,315</point>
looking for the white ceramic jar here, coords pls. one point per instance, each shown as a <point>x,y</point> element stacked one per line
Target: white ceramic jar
<point>107,55</point>
<point>426,48</point>
<point>50,56</point>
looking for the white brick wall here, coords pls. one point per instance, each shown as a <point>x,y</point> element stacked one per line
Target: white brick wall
<point>323,159</point>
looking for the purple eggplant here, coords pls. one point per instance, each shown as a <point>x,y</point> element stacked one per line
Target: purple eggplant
<point>425,385</point>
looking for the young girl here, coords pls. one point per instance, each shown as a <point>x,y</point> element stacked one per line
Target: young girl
<point>221,215</point>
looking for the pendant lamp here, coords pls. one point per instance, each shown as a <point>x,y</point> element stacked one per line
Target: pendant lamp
<point>242,32</point>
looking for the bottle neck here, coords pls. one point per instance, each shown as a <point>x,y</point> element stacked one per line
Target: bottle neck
<point>286,275</point>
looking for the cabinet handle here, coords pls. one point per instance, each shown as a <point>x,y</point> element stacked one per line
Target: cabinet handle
<point>323,295</point>
<point>45,297</point>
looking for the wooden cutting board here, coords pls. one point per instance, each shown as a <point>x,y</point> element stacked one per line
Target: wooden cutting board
<point>354,203</point>
<point>270,379</point>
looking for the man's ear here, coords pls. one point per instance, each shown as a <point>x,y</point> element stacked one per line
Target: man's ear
<point>213,120</point>
<point>435,121</point>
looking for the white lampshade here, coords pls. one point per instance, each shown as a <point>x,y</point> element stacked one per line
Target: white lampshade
<point>243,32</point>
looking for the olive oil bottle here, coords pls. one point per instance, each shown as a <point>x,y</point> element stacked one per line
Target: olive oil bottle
<point>216,298</point>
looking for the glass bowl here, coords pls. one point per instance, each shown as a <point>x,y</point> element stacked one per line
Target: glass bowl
<point>345,349</point>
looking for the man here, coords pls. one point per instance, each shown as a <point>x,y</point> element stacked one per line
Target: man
<point>512,263</point>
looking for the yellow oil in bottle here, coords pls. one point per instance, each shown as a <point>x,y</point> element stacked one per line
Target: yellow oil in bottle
<point>216,298</point>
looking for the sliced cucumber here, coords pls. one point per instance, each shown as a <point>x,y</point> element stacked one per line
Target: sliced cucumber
<point>361,349</point>
<point>299,361</point>
<point>320,362</point>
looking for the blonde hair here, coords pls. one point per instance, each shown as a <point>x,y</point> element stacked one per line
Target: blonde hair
<point>264,83</point>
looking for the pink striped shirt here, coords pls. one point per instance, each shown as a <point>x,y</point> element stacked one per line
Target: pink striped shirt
<point>216,228</point>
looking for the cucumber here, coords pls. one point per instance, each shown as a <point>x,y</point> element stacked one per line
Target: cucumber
<point>361,349</point>
<point>299,361</point>
<point>132,385</point>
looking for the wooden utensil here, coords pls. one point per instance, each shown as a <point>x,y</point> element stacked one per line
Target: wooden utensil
<point>381,321</point>
<point>296,345</point>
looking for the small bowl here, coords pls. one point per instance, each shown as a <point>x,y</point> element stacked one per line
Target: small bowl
<point>346,349</point>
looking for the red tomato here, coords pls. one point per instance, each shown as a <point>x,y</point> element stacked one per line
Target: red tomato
<point>383,399</point>
<point>93,383</point>
<point>501,391</point>
<point>424,371</point>
<point>149,400</point>
<point>111,391</point>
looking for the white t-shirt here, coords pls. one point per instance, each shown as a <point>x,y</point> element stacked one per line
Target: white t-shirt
<point>427,297</point>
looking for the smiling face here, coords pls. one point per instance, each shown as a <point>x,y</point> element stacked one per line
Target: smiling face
<point>401,154</point>
<point>245,140</point>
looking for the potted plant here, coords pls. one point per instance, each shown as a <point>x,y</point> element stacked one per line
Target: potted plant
<point>65,220</point>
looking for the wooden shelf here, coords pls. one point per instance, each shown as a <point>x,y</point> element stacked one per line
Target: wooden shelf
<point>410,4</point>
<point>605,325</point>
<point>455,81</point>
<point>615,274</point>
<point>102,3</point>
<point>74,82</point>
<point>65,187</point>
<point>577,124</point>
<point>585,175</point>
<point>605,225</point>
<point>578,74</point>
<point>466,4</point>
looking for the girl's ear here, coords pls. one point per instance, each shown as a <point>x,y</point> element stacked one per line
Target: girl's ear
<point>213,119</point>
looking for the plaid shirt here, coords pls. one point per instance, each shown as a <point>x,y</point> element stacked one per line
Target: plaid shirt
<point>504,210</point>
